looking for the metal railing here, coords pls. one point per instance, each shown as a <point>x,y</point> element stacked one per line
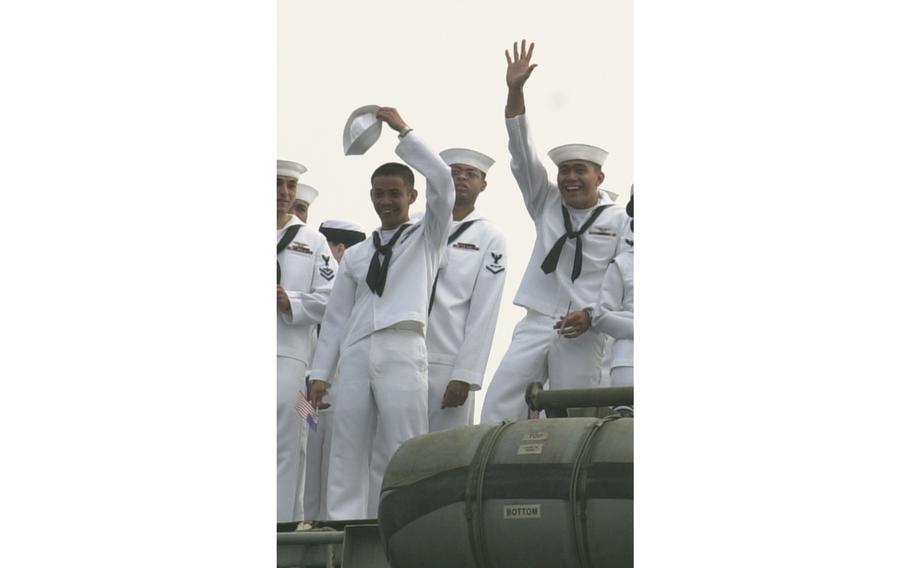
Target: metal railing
<point>557,402</point>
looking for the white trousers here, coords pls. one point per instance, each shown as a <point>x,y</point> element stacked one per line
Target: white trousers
<point>317,466</point>
<point>442,418</point>
<point>380,403</point>
<point>538,354</point>
<point>438,419</point>
<point>292,434</point>
<point>622,376</point>
<point>607,360</point>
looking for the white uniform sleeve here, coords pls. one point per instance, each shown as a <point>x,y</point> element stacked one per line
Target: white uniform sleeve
<point>529,172</point>
<point>609,317</point>
<point>627,237</point>
<point>480,324</point>
<point>440,188</point>
<point>334,325</point>
<point>308,307</point>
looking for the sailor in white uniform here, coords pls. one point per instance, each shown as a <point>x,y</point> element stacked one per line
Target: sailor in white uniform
<point>608,346</point>
<point>465,305</point>
<point>340,235</point>
<point>306,272</point>
<point>613,315</point>
<point>614,312</point>
<point>374,326</point>
<point>579,232</point>
<point>306,195</point>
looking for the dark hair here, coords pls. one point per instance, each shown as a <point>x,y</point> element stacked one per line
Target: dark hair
<point>395,169</point>
<point>347,237</point>
<point>630,210</point>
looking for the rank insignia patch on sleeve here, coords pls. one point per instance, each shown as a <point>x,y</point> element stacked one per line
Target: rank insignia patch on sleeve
<point>326,271</point>
<point>495,267</point>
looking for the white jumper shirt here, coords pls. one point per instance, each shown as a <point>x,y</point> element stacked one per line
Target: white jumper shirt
<point>354,311</point>
<point>468,293</point>
<point>613,314</point>
<point>550,294</point>
<point>307,274</point>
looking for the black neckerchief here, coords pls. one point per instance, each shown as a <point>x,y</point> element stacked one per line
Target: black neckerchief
<point>552,259</point>
<point>377,273</point>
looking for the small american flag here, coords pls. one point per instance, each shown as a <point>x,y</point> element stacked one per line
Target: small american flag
<point>306,410</point>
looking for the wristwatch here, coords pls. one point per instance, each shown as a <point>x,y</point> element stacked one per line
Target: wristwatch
<point>404,132</point>
<point>589,315</point>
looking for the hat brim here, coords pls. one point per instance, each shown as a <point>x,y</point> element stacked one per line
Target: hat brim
<point>361,131</point>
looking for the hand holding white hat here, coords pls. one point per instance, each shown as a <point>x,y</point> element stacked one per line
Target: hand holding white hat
<point>391,117</point>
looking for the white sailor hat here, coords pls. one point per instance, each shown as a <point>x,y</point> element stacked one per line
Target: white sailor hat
<point>340,231</point>
<point>342,225</point>
<point>467,157</point>
<point>306,193</point>
<point>290,169</point>
<point>586,152</point>
<point>361,130</point>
